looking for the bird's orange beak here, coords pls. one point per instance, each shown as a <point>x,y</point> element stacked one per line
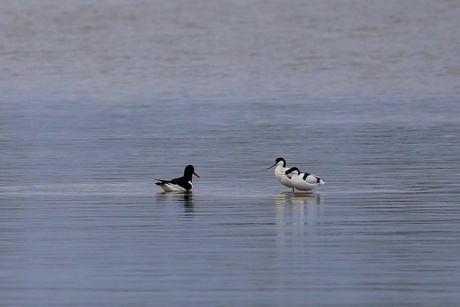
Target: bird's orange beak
<point>194,173</point>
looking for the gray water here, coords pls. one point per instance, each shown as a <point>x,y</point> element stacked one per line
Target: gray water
<point>99,98</point>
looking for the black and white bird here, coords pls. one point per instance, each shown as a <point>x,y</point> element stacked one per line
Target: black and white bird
<point>280,170</point>
<point>181,184</point>
<point>303,181</point>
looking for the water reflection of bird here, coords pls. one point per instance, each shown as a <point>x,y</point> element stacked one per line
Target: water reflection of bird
<point>185,199</point>
<point>282,199</point>
<point>180,184</point>
<point>297,214</point>
<point>280,170</point>
<point>303,181</point>
<point>188,202</point>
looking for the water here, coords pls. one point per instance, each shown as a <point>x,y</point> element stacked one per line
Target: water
<point>98,99</point>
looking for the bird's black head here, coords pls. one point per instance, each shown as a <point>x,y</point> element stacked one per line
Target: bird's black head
<point>280,159</point>
<point>276,162</point>
<point>189,171</point>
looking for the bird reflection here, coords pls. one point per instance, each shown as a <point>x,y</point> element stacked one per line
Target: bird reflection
<point>297,199</point>
<point>188,202</point>
<point>183,198</point>
<point>297,213</point>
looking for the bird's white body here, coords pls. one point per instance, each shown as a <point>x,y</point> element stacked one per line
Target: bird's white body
<point>304,181</point>
<point>280,171</point>
<point>170,187</point>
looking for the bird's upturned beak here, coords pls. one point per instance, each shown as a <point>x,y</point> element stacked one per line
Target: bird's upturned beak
<point>194,173</point>
<point>270,166</point>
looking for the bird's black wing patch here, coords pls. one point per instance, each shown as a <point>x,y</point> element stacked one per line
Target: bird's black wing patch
<point>161,181</point>
<point>177,180</point>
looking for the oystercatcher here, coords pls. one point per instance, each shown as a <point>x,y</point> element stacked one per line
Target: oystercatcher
<point>181,184</point>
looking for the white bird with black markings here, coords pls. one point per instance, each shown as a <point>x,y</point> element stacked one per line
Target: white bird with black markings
<point>280,170</point>
<point>303,181</point>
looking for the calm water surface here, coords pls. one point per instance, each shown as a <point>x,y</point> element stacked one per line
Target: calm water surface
<point>98,99</point>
